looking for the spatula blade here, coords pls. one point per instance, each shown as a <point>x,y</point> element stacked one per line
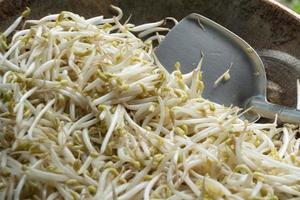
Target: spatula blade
<point>220,47</point>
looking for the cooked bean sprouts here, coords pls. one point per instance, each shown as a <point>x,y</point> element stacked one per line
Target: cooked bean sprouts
<point>88,112</point>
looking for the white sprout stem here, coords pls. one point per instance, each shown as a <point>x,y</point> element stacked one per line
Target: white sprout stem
<point>162,116</point>
<point>19,187</point>
<point>53,196</point>
<point>152,30</point>
<point>86,139</point>
<point>79,122</point>
<point>285,143</point>
<point>63,192</point>
<point>147,26</point>
<point>95,20</point>
<point>193,187</point>
<point>117,115</point>
<point>46,176</point>
<point>130,193</point>
<point>172,19</point>
<point>159,38</point>
<point>11,50</point>
<point>13,26</point>
<point>24,97</point>
<point>43,20</point>
<point>119,16</point>
<point>45,67</point>
<point>38,117</point>
<point>150,186</point>
<point>9,64</point>
<point>69,155</point>
<point>85,165</point>
<point>256,190</point>
<point>102,183</point>
<point>118,190</point>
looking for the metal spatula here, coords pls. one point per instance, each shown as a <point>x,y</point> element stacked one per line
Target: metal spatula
<point>222,48</point>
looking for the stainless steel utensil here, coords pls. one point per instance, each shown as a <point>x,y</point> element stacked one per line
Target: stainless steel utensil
<point>222,48</point>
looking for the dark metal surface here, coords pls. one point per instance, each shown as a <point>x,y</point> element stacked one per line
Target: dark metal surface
<point>262,23</point>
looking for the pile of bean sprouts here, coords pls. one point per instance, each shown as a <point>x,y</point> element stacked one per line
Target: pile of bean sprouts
<point>88,112</point>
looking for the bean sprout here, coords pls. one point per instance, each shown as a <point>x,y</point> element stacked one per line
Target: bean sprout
<point>88,112</point>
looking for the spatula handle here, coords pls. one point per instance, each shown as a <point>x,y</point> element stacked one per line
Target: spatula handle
<point>269,110</point>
